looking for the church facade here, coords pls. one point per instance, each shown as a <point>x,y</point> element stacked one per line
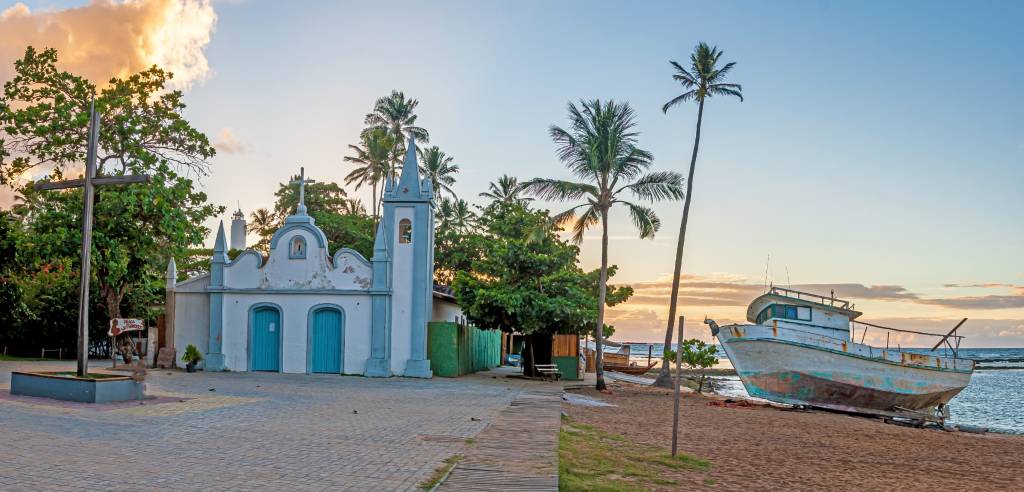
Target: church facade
<point>305,310</point>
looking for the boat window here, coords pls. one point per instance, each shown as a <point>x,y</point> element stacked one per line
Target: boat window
<point>783,311</point>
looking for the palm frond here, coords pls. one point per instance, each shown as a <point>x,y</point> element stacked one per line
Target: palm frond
<point>684,97</point>
<point>644,218</point>
<point>657,186</point>
<point>559,190</point>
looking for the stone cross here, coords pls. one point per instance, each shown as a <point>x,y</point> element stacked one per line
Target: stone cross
<point>88,183</point>
<point>301,209</point>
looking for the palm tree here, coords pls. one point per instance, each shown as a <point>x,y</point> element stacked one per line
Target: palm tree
<point>264,221</point>
<point>704,79</point>
<point>599,148</point>
<point>455,215</point>
<point>397,116</point>
<point>375,159</point>
<point>507,189</point>
<point>438,166</point>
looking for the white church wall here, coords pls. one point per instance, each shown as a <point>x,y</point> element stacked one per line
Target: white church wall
<point>294,325</point>
<point>351,271</point>
<point>401,298</point>
<point>191,321</point>
<point>445,310</point>
<point>244,272</point>
<point>282,272</point>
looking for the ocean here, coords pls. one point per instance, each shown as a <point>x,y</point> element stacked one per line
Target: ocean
<point>994,399</point>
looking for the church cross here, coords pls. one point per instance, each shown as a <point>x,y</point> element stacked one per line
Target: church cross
<point>301,209</point>
<point>88,183</point>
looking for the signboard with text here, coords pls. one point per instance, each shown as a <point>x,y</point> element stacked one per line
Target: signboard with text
<point>122,325</point>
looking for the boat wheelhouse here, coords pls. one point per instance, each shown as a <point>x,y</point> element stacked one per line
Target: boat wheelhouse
<point>800,349</point>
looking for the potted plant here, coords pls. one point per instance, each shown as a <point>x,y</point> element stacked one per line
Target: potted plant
<point>191,358</point>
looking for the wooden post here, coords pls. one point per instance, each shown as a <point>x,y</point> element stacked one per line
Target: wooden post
<point>83,288</point>
<point>679,363</point>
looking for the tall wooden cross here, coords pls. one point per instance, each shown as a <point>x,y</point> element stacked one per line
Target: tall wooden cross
<point>89,182</point>
<point>301,208</point>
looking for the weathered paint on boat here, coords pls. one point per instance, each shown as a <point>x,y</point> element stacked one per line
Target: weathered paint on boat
<point>784,363</point>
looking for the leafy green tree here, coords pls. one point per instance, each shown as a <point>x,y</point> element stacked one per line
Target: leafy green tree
<point>136,228</point>
<point>704,79</point>
<point>396,115</point>
<point>439,169</point>
<point>14,314</point>
<point>373,160</point>
<point>506,189</point>
<point>43,125</point>
<point>354,231</point>
<point>456,243</point>
<point>320,197</point>
<point>523,281</point>
<point>696,355</point>
<point>599,148</point>
<point>44,119</point>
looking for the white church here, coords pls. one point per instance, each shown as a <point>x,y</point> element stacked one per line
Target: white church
<point>305,310</point>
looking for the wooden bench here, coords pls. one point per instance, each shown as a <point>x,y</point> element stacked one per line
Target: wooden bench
<point>548,371</point>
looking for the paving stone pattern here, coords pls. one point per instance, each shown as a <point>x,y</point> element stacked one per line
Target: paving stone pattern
<point>254,431</point>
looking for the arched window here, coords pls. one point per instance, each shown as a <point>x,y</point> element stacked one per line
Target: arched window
<point>405,231</point>
<point>297,247</point>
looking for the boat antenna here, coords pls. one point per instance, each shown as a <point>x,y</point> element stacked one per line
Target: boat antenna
<point>766,264</point>
<point>788,281</point>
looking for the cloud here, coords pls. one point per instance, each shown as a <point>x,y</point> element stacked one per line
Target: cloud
<point>728,291</point>
<point>979,302</point>
<point>736,291</point>
<point>109,38</point>
<point>226,142</point>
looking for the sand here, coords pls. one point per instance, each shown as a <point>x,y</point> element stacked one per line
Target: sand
<point>766,448</point>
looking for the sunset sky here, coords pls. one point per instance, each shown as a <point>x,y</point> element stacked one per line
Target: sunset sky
<point>879,151</point>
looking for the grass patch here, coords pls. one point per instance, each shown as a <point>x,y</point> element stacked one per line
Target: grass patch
<point>470,440</point>
<point>14,358</point>
<point>440,472</point>
<point>594,460</point>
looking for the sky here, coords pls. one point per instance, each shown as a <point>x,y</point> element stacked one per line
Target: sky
<point>878,152</point>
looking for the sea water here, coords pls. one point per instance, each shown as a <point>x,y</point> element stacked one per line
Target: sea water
<point>994,398</point>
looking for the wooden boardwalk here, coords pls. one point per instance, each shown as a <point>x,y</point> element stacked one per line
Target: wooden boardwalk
<point>518,451</point>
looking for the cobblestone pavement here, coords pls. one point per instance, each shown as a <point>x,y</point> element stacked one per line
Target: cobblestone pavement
<point>244,431</point>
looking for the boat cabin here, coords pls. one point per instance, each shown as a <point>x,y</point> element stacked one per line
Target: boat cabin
<point>814,313</point>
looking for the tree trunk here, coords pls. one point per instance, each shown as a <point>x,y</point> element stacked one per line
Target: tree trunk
<point>664,379</point>
<point>374,204</point>
<point>602,292</point>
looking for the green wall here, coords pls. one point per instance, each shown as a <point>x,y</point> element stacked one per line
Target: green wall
<point>568,365</point>
<point>455,349</point>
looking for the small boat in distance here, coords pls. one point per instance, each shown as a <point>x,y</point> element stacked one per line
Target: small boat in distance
<point>800,351</point>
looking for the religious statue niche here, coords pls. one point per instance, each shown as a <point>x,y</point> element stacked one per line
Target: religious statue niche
<point>405,231</point>
<point>297,248</point>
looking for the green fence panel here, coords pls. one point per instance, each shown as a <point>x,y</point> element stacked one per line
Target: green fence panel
<point>455,350</point>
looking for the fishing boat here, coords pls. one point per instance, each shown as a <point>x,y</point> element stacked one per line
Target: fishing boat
<point>801,350</point>
<point>618,360</point>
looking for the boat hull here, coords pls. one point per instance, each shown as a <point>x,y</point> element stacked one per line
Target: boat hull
<point>794,367</point>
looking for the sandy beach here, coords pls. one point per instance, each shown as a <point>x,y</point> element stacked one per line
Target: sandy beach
<point>765,448</point>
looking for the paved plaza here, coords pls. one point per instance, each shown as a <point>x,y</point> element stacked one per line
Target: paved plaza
<point>243,431</point>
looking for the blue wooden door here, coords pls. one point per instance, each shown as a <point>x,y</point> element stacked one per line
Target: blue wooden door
<point>326,343</point>
<point>266,339</point>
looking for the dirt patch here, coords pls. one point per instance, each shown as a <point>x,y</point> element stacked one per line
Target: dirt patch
<point>767,448</point>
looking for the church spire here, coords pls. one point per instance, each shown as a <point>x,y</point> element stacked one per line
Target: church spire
<point>410,180</point>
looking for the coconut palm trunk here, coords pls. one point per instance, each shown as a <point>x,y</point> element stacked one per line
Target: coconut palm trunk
<point>664,378</point>
<point>602,293</point>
